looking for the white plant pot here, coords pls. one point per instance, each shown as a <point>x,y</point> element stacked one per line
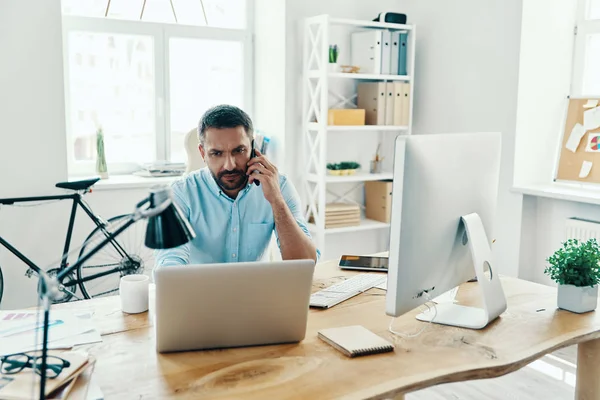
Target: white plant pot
<point>577,299</point>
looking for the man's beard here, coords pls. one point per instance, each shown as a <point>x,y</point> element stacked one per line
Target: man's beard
<point>239,182</point>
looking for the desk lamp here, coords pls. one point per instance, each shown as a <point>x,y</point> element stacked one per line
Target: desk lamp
<point>167,228</point>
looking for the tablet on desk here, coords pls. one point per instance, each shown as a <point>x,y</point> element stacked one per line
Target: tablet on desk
<point>364,263</point>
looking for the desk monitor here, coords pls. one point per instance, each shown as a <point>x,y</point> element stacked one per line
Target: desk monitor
<point>443,205</point>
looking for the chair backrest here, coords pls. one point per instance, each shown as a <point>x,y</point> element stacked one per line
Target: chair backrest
<point>194,158</point>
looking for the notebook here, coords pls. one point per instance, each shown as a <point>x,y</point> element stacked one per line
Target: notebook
<point>355,340</point>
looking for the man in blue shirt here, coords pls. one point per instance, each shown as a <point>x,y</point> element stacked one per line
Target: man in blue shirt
<point>233,217</point>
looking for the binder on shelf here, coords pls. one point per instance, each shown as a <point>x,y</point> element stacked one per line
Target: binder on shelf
<point>398,103</point>
<point>386,52</point>
<point>389,103</point>
<point>394,53</point>
<point>366,51</point>
<point>371,97</point>
<point>405,102</point>
<point>402,53</point>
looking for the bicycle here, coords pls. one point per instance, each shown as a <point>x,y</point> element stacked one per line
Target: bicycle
<point>124,255</point>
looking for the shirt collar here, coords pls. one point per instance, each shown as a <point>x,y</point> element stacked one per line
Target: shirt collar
<point>216,189</point>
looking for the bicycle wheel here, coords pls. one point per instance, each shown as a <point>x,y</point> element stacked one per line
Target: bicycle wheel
<point>1,285</point>
<point>126,255</point>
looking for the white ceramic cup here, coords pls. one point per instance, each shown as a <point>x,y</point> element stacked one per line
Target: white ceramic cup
<point>133,290</point>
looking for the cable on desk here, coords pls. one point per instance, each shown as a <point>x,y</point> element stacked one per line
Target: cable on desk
<point>412,335</point>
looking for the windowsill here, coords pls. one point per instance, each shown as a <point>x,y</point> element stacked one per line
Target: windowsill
<point>562,191</point>
<point>124,182</point>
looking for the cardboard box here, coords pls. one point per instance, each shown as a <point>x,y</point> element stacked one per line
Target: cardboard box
<point>378,200</point>
<point>343,116</point>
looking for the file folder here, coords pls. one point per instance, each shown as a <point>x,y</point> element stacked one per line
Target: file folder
<point>402,53</point>
<point>366,51</point>
<point>394,53</point>
<point>389,103</point>
<point>386,51</point>
<point>371,97</point>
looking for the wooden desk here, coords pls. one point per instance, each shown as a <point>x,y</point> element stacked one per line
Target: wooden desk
<point>128,366</point>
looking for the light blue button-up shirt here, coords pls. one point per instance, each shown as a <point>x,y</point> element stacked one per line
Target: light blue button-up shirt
<point>227,230</point>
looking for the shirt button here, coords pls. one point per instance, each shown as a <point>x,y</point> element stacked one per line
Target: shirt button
<point>234,229</point>
<point>233,255</point>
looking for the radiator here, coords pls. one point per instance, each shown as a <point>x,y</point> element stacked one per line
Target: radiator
<point>582,229</point>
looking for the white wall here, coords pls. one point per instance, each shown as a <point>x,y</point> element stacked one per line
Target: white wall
<point>269,77</point>
<point>544,82</point>
<point>543,231</point>
<point>467,61</point>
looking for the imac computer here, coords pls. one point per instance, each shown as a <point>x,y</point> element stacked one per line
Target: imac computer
<point>443,207</point>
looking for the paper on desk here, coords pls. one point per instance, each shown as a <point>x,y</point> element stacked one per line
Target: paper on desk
<point>586,167</point>
<point>21,330</point>
<point>448,297</point>
<point>575,137</point>
<point>590,104</point>
<point>591,118</point>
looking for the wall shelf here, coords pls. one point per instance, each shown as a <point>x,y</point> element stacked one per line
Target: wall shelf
<point>365,225</point>
<point>359,76</point>
<point>358,177</point>
<point>313,126</point>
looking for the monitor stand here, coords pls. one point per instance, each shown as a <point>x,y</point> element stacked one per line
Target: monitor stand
<point>494,301</point>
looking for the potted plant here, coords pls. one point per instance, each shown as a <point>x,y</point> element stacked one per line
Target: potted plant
<point>575,267</point>
<point>343,168</point>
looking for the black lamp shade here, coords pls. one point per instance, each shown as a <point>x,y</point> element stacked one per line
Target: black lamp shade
<point>169,228</point>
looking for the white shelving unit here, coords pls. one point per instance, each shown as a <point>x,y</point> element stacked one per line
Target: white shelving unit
<point>317,90</point>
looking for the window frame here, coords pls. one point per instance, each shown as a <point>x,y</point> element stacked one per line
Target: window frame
<point>161,34</point>
<point>583,27</point>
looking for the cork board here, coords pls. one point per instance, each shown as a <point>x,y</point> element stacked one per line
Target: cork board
<point>579,160</point>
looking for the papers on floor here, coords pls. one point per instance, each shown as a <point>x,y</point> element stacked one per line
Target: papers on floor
<point>590,104</point>
<point>21,330</point>
<point>448,297</point>
<point>161,168</point>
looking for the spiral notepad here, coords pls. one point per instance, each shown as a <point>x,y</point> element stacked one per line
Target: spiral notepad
<point>355,341</point>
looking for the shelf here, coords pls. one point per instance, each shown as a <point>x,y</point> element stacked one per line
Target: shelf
<point>365,225</point>
<point>358,177</point>
<point>370,24</point>
<point>345,75</point>
<point>314,126</point>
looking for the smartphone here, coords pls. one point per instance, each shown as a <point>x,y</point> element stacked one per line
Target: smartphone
<point>364,263</point>
<point>252,155</point>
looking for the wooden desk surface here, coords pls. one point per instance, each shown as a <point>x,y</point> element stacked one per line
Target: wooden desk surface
<point>129,367</point>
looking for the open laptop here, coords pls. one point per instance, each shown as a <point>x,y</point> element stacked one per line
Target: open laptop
<point>224,305</point>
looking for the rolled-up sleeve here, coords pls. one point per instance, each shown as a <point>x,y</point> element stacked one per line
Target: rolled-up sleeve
<point>292,198</point>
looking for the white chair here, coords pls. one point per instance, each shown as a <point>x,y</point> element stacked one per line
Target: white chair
<point>194,158</point>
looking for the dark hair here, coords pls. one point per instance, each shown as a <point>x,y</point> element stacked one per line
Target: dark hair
<point>224,116</point>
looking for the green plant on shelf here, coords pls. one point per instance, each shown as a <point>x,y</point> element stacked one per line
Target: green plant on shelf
<point>343,168</point>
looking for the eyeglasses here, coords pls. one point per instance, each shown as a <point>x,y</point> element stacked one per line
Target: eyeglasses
<point>15,363</point>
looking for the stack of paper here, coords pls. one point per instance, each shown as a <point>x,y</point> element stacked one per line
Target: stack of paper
<point>161,168</point>
<point>339,215</point>
<point>21,330</point>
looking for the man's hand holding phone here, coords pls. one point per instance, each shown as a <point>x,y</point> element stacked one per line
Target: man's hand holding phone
<point>267,174</point>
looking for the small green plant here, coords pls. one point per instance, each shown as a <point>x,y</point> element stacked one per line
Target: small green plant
<point>575,263</point>
<point>343,165</point>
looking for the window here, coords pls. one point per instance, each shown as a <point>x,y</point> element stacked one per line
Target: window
<point>144,71</point>
<point>586,73</point>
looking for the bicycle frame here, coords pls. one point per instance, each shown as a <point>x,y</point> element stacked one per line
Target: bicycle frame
<point>77,201</point>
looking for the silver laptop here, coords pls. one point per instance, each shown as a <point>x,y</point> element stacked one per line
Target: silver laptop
<point>213,306</point>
